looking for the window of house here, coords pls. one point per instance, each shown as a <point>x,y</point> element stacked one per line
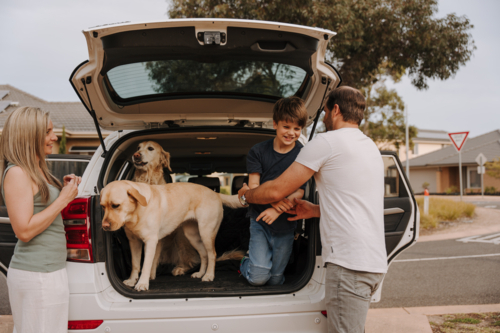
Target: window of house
<point>415,149</point>
<point>391,177</point>
<point>474,179</point>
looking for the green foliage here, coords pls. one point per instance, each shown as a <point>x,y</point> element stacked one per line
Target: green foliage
<point>465,320</point>
<point>376,40</point>
<point>425,185</point>
<point>451,190</point>
<point>493,168</point>
<point>62,144</point>
<point>490,190</point>
<point>443,210</point>
<point>398,36</point>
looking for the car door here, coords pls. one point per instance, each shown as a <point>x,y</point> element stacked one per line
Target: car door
<point>59,165</point>
<point>401,215</point>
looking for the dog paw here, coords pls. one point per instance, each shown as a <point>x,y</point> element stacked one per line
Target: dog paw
<point>140,286</point>
<point>130,282</point>
<point>197,275</point>
<point>208,277</point>
<point>178,271</point>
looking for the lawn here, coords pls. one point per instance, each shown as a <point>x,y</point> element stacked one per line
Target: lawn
<point>472,322</point>
<point>443,210</point>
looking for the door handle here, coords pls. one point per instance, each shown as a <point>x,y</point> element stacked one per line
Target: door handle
<point>390,211</point>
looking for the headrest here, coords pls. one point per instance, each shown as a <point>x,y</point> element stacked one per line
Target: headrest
<point>210,182</point>
<point>238,183</point>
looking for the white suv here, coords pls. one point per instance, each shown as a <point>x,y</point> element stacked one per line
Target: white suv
<point>203,89</point>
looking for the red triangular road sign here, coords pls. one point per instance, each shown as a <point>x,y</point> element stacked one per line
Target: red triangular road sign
<point>458,139</point>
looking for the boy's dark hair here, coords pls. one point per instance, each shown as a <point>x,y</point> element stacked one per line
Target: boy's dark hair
<point>351,103</point>
<point>290,109</point>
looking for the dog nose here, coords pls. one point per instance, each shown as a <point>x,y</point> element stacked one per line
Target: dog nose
<point>137,156</point>
<point>106,225</point>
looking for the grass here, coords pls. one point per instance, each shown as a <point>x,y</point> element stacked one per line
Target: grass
<point>473,322</point>
<point>443,210</point>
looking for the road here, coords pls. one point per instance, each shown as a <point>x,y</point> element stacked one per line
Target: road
<point>486,204</point>
<point>427,274</point>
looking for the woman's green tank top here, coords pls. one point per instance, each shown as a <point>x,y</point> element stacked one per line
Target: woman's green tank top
<point>46,252</point>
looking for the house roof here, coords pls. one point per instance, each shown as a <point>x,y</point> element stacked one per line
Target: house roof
<point>72,115</point>
<point>432,135</point>
<point>488,144</point>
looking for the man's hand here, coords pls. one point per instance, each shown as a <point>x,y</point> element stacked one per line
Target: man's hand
<point>283,205</point>
<point>243,190</point>
<point>303,210</point>
<point>269,215</point>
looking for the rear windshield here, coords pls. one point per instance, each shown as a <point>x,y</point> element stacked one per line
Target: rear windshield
<point>235,77</point>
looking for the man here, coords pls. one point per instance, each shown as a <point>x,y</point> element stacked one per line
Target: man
<point>348,170</point>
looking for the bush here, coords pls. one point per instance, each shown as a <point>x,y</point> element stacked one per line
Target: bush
<point>490,190</point>
<point>443,210</point>
<point>425,185</point>
<point>428,221</point>
<point>451,189</point>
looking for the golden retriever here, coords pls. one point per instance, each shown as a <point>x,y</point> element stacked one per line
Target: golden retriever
<point>149,160</point>
<point>151,212</point>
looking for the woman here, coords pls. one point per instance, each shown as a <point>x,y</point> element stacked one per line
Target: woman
<point>37,280</point>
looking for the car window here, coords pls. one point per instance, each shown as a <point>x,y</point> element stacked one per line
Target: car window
<point>391,177</point>
<point>238,77</point>
<point>63,167</point>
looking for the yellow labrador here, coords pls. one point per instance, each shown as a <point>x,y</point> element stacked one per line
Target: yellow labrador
<point>149,160</point>
<point>152,212</point>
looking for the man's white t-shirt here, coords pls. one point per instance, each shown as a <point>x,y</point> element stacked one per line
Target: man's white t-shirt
<point>350,181</point>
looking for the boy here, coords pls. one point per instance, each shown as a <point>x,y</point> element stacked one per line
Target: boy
<point>271,234</point>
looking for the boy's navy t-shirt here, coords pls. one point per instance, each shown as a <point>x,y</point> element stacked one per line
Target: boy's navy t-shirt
<point>263,159</point>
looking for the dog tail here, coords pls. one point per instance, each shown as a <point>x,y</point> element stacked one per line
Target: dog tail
<point>230,201</point>
<point>231,255</point>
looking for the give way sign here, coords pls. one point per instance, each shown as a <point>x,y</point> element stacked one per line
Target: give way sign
<point>458,139</point>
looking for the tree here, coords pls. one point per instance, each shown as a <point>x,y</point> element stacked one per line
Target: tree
<point>62,144</point>
<point>400,36</point>
<point>376,40</point>
<point>493,168</point>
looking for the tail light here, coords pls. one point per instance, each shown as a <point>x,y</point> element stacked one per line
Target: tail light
<point>324,313</point>
<point>84,324</point>
<point>76,218</point>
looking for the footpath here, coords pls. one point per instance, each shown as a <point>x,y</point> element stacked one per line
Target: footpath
<point>414,319</point>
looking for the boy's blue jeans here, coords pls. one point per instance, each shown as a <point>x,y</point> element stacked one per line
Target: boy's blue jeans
<point>269,253</point>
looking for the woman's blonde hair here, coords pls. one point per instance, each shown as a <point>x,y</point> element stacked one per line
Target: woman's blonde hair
<point>22,141</point>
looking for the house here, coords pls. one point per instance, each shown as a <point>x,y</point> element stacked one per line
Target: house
<point>81,135</point>
<point>440,168</point>
<point>425,142</point>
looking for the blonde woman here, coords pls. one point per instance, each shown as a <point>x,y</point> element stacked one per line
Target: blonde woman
<point>37,280</point>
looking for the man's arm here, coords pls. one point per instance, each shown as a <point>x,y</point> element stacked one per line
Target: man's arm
<point>275,190</point>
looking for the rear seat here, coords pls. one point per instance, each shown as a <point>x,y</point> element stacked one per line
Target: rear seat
<point>212,183</point>
<point>238,183</point>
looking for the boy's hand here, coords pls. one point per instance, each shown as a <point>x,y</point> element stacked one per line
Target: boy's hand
<point>283,205</point>
<point>269,215</point>
<point>304,210</point>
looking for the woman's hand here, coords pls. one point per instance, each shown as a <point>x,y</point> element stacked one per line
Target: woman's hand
<point>67,179</point>
<point>269,215</point>
<point>70,190</point>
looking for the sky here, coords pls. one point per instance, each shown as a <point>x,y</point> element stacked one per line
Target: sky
<point>41,44</point>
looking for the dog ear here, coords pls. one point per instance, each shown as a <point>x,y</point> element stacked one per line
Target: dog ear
<point>137,196</point>
<point>165,159</point>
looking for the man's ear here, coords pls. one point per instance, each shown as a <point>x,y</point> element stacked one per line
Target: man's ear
<point>165,159</point>
<point>137,196</point>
